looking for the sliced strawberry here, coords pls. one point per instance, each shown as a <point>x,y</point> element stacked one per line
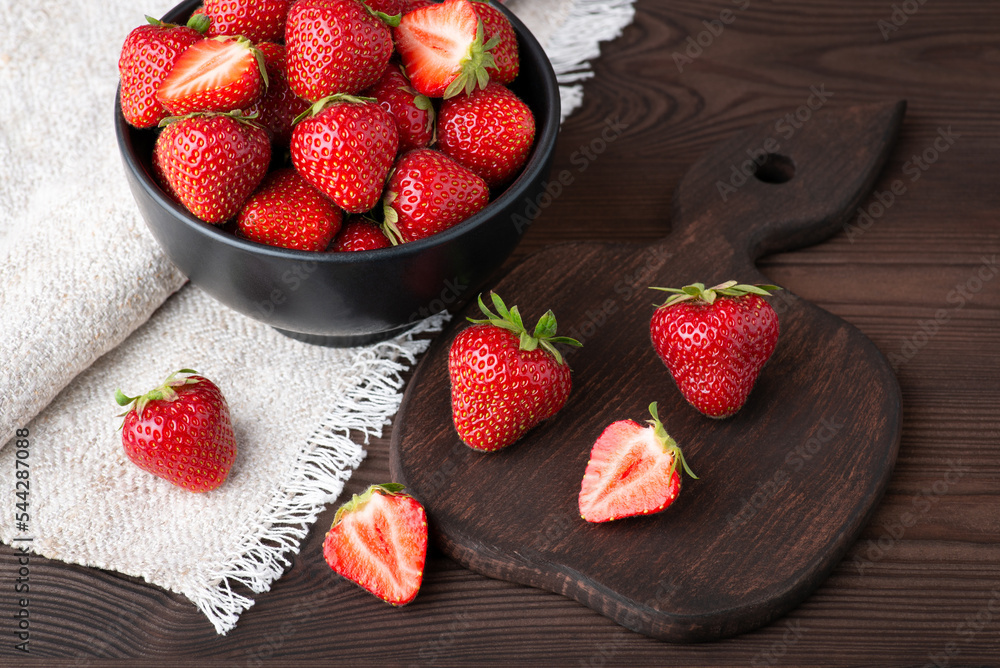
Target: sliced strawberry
<point>442,49</point>
<point>359,234</point>
<point>215,74</point>
<point>379,541</point>
<point>632,471</point>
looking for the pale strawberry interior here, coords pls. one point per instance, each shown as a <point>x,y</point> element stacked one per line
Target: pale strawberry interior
<point>208,66</point>
<point>386,558</point>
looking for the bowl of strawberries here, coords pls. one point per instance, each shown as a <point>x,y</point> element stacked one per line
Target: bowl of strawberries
<point>337,169</point>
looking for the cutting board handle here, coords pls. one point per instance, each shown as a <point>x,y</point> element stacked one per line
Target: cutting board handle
<point>784,184</point>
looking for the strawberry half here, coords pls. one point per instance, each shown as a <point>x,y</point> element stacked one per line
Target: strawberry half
<point>181,432</point>
<point>211,162</point>
<point>715,342</point>
<point>215,74</point>
<point>288,212</point>
<point>359,234</point>
<point>632,471</point>
<point>505,380</point>
<point>442,48</point>
<point>429,192</point>
<point>379,541</point>
<point>147,56</point>
<point>345,147</point>
<point>257,20</point>
<point>489,131</point>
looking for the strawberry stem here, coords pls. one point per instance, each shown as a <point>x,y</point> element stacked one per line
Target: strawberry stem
<point>164,392</point>
<point>544,335</point>
<point>698,292</point>
<point>358,501</point>
<point>668,443</point>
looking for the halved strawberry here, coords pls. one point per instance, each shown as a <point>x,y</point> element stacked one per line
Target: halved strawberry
<point>215,74</point>
<point>442,49</point>
<point>379,541</point>
<point>632,471</point>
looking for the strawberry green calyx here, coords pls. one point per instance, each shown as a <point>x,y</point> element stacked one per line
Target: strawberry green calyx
<point>164,392</point>
<point>473,68</point>
<point>358,501</point>
<point>235,114</point>
<point>544,334</point>
<point>669,444</point>
<point>199,22</point>
<point>698,291</point>
<point>391,20</point>
<point>319,105</point>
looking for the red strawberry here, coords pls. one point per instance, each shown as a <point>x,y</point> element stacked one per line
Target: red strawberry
<point>278,108</point>
<point>287,211</point>
<point>211,163</point>
<point>632,471</point>
<point>429,192</point>
<point>504,381</point>
<point>490,132</point>
<point>216,74</point>
<point>334,46</point>
<point>388,7</point>
<point>147,56</point>
<point>379,541</point>
<point>715,341</point>
<point>345,148</point>
<point>257,20</point>
<point>413,112</point>
<point>180,432</point>
<point>360,234</point>
<point>498,30</point>
<point>442,49</point>
<point>410,5</point>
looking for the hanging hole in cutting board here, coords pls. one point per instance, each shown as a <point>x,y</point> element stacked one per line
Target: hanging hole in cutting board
<point>775,168</point>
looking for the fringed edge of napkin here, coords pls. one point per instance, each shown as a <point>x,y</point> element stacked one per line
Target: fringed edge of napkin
<point>326,461</point>
<point>578,41</point>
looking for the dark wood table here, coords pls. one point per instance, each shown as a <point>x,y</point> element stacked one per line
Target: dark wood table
<point>917,274</point>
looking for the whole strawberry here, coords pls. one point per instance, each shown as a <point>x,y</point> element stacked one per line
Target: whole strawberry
<point>498,32</point>
<point>211,162</point>
<point>180,431</point>
<point>379,541</point>
<point>429,192</point>
<point>147,56</point>
<point>632,471</point>
<point>257,20</point>
<point>279,106</point>
<point>714,341</point>
<point>288,212</point>
<point>335,46</point>
<point>345,147</point>
<point>413,112</point>
<point>489,131</point>
<point>359,234</point>
<point>505,380</point>
<point>215,74</point>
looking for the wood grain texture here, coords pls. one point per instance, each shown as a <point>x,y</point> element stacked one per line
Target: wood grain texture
<point>902,594</point>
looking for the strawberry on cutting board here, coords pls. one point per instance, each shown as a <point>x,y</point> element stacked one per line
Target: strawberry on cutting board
<point>286,211</point>
<point>211,162</point>
<point>442,48</point>
<point>379,541</point>
<point>715,341</point>
<point>181,432</point>
<point>633,470</point>
<point>504,379</point>
<point>215,74</point>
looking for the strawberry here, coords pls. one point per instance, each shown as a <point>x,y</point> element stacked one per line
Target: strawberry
<point>147,56</point>
<point>715,341</point>
<point>632,471</point>
<point>388,7</point>
<point>345,148</point>
<point>379,541</point>
<point>215,74</point>
<point>335,46</point>
<point>360,234</point>
<point>257,20</point>
<point>442,48</point>
<point>497,28</point>
<point>504,381</point>
<point>410,5</point>
<point>287,211</point>
<point>413,112</point>
<point>278,108</point>
<point>489,131</point>
<point>427,193</point>
<point>211,162</point>
<point>180,431</point>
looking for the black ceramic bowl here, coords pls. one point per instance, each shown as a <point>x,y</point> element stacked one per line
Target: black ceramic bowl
<point>346,299</point>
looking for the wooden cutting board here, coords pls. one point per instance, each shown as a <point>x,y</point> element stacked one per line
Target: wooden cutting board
<point>785,486</point>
